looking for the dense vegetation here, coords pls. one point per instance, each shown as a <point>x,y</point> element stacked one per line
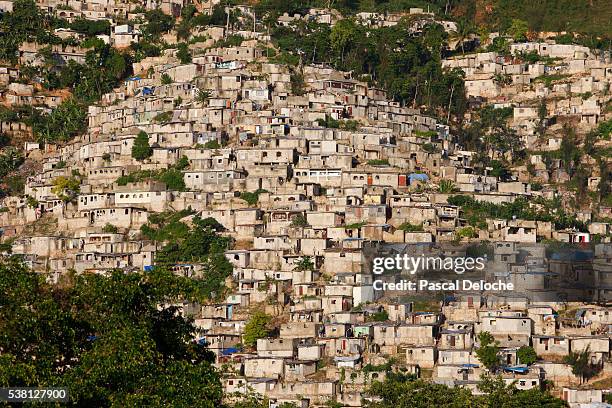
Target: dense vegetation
<point>476,212</point>
<point>198,243</point>
<point>590,17</point>
<point>402,391</point>
<point>407,66</point>
<point>103,337</point>
<point>104,66</point>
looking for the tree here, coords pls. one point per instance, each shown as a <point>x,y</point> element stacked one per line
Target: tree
<point>256,328</point>
<point>569,152</point>
<point>298,86</point>
<point>108,339</point>
<point>488,351</point>
<point>166,79</point>
<point>299,221</point>
<point>66,188</point>
<point>542,115</point>
<point>62,124</point>
<point>464,29</point>
<point>342,35</point>
<point>109,228</point>
<point>580,361</point>
<point>141,149</point>
<point>447,186</point>
<point>393,393</point>
<point>403,391</point>
<point>202,95</point>
<point>183,53</point>
<point>518,30</point>
<point>304,264</point>
<point>526,355</point>
<point>174,179</point>
<point>157,24</point>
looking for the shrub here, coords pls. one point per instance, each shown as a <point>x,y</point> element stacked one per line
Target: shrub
<point>109,228</point>
<point>141,149</point>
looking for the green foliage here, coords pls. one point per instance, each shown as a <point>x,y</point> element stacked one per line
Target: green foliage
<point>476,212</point>
<point>158,23</point>
<point>378,162</point>
<point>305,263</point>
<point>202,95</point>
<point>381,316</point>
<point>569,152</point>
<point>488,351</point>
<point>105,338</point>
<point>200,243</point>
<point>25,23</point>
<point>110,228</point>
<point>212,144</point>
<point>233,40</point>
<point>256,328</point>
<point>298,85</point>
<point>548,79</point>
<point>499,45</point>
<point>31,202</point>
<point>166,79</point>
<point>406,66</point>
<point>299,221</point>
<point>580,361</point>
<point>447,186</point>
<point>466,232</point>
<point>497,394</point>
<point>408,227</point>
<point>580,16</point>
<point>518,30</point>
<point>163,117</point>
<point>252,197</point>
<point>393,393</point>
<point>104,66</point>
<point>183,53</point>
<point>62,124</point>
<point>355,225</point>
<point>173,179</point>
<point>141,149</point>
<point>13,185</point>
<point>425,134</point>
<point>526,355</point>
<point>91,28</point>
<point>66,188</point>
<point>10,160</point>
<point>182,163</point>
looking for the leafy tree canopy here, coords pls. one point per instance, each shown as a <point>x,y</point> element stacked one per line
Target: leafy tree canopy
<point>103,337</point>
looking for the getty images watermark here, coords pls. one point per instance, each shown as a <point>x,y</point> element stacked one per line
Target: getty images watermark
<point>412,265</point>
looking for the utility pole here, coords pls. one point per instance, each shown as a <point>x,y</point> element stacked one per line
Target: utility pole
<point>450,100</point>
<point>227,22</point>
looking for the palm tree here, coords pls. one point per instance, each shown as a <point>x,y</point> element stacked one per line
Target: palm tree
<point>447,187</point>
<point>463,31</point>
<point>304,264</point>
<point>202,95</point>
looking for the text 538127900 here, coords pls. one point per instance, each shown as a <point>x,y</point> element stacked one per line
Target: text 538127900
<point>31,394</point>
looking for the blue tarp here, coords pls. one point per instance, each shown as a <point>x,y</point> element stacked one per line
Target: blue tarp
<point>418,177</point>
<point>230,350</point>
<point>517,369</point>
<point>572,256</point>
